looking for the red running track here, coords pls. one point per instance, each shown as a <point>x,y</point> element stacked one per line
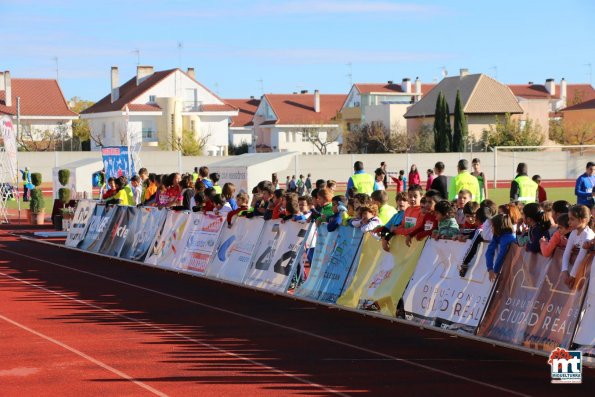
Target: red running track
<point>75,324</point>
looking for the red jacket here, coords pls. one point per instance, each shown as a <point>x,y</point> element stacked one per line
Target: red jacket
<point>427,226</point>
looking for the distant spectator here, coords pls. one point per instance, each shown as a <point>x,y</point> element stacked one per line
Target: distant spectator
<point>541,194</point>
<point>414,177</point>
<point>584,188</point>
<point>440,182</point>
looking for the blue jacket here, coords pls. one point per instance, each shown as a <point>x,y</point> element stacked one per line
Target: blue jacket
<point>350,182</point>
<point>396,220</point>
<point>584,189</point>
<point>501,243</point>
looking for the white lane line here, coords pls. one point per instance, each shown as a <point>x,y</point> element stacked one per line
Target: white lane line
<point>85,356</point>
<point>180,336</point>
<point>286,327</point>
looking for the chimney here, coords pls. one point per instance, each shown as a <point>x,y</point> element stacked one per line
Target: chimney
<point>417,86</point>
<point>390,82</point>
<point>1,81</point>
<point>550,86</point>
<point>303,91</point>
<point>317,101</point>
<point>563,93</point>
<point>463,72</point>
<point>191,73</point>
<point>406,85</point>
<point>115,84</point>
<point>142,72</point>
<point>7,89</point>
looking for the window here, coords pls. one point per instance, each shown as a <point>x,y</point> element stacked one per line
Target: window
<point>152,98</point>
<point>305,135</point>
<point>173,122</point>
<point>287,136</point>
<point>149,135</point>
<point>103,133</point>
<point>293,136</point>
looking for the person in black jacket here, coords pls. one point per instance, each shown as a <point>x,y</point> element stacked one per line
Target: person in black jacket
<point>440,182</point>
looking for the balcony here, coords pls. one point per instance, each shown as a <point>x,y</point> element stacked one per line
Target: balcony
<point>191,106</point>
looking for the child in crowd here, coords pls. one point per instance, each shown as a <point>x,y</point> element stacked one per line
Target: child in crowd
<point>558,208</point>
<point>265,190</point>
<point>538,225</point>
<point>277,207</point>
<point>503,238</point>
<point>136,189</point>
<point>203,173</point>
<point>188,193</point>
<point>305,203</point>
<point>325,197</point>
<point>430,176</point>
<point>463,198</point>
<point>447,227</point>
<point>558,239</point>
<point>385,211</point>
<point>209,204</point>
<point>339,213</point>
<point>400,181</point>
<point>481,179</point>
<point>367,219</point>
<point>331,185</point>
<point>513,212</point>
<point>578,219</point>
<point>541,193</point>
<point>228,191</point>
<point>111,185</point>
<point>120,197</point>
<point>484,214</point>
<point>215,179</point>
<point>402,204</point>
<point>430,220</point>
<point>413,217</point>
<point>292,209</point>
<point>379,178</point>
<point>242,208</point>
<point>222,207</point>
<point>150,190</point>
<point>199,195</point>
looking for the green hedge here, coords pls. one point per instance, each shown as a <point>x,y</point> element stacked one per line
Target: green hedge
<point>64,177</point>
<point>37,203</point>
<point>36,178</point>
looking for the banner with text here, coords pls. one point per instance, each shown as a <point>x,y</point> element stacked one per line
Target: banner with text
<point>199,242</point>
<point>144,224</point>
<point>437,295</point>
<point>273,263</point>
<point>235,249</point>
<point>584,338</point>
<point>168,241</point>
<point>325,242</point>
<point>116,232</point>
<point>99,222</point>
<point>80,222</point>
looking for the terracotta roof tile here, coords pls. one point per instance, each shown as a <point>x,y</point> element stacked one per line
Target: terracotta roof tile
<point>299,108</point>
<point>39,97</point>
<point>144,107</point>
<point>366,88</point>
<point>217,108</point>
<point>581,106</point>
<point>246,110</point>
<point>531,91</point>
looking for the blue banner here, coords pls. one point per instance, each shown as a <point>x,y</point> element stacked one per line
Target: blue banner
<point>117,162</point>
<point>327,285</point>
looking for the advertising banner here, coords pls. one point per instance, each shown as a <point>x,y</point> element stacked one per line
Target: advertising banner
<point>331,278</point>
<point>235,249</point>
<point>325,242</point>
<point>116,161</point>
<point>8,135</point>
<point>144,224</point>
<point>80,222</point>
<point>236,175</point>
<point>437,295</point>
<point>518,285</point>
<point>199,242</point>
<point>584,338</point>
<point>100,221</point>
<point>168,242</point>
<point>370,255</point>
<point>387,284</point>
<point>273,264</point>
<point>552,318</point>
<point>116,232</point>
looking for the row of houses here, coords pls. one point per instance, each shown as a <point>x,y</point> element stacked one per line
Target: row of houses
<point>161,106</point>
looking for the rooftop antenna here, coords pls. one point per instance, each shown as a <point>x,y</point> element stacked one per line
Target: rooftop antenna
<point>495,69</point>
<point>55,59</point>
<point>137,52</point>
<point>589,72</point>
<point>216,85</point>
<point>261,82</point>
<point>444,71</point>
<point>350,74</point>
<point>180,47</point>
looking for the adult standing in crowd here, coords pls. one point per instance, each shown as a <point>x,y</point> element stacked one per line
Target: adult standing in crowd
<point>308,184</point>
<point>584,189</point>
<point>481,178</point>
<point>440,182</point>
<point>414,177</point>
<point>383,166</point>
<point>522,187</point>
<point>27,185</point>
<point>362,182</point>
<point>463,181</point>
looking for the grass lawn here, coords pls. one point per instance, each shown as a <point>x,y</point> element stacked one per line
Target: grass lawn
<point>49,205</point>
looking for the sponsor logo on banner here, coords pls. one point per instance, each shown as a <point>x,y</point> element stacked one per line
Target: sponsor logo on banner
<point>199,242</point>
<point>80,222</point>
<point>143,227</point>
<point>566,366</point>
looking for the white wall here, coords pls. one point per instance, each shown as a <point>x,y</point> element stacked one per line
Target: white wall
<point>174,86</point>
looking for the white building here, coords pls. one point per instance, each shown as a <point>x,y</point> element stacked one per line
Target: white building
<point>241,128</point>
<point>44,112</point>
<point>285,122</point>
<point>160,106</point>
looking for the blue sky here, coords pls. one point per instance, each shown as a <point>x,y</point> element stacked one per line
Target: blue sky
<point>295,45</point>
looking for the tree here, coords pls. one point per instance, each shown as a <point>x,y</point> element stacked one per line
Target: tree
<point>565,133</point>
<point>375,137</point>
<point>442,131</point>
<point>509,132</point>
<point>422,141</point>
<point>188,143</point>
<point>31,139</point>
<point>319,136</point>
<point>81,133</point>
<point>239,149</point>
<point>460,127</point>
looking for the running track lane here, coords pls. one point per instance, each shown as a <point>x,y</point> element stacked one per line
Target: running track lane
<point>181,335</point>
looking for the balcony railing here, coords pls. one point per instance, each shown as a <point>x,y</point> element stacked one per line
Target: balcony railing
<point>191,106</point>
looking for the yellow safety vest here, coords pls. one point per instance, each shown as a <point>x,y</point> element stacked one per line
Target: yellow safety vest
<point>364,183</point>
<point>527,189</point>
<point>464,181</point>
<point>218,189</point>
<point>385,213</point>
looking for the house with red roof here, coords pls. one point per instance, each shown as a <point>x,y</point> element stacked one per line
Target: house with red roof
<point>241,126</point>
<point>305,123</point>
<point>381,102</point>
<point>43,111</point>
<point>157,107</point>
<point>542,102</point>
<point>579,123</point>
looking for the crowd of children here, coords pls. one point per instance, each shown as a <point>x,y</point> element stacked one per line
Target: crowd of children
<point>418,213</point>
